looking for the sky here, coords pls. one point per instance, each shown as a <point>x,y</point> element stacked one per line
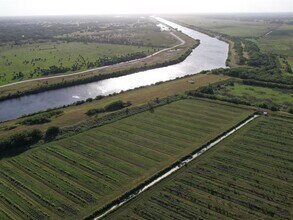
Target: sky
<point>97,7</point>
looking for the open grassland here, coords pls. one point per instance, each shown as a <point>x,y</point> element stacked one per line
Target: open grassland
<point>258,95</point>
<point>279,41</point>
<point>74,114</point>
<point>70,178</point>
<point>149,62</point>
<point>144,36</point>
<point>29,59</point>
<point>248,176</point>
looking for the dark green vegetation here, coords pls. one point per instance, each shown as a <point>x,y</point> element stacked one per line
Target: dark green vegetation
<point>52,133</point>
<point>247,176</point>
<point>20,141</point>
<point>42,118</point>
<point>114,106</point>
<point>73,177</point>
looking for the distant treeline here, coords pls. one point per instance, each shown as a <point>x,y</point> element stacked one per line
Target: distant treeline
<point>19,30</point>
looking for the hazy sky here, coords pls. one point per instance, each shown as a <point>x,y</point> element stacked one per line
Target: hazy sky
<point>75,7</point>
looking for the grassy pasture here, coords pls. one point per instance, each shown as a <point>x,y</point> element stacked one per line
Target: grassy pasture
<point>280,41</point>
<point>25,58</point>
<point>258,95</point>
<point>142,36</point>
<point>248,176</point>
<point>70,178</point>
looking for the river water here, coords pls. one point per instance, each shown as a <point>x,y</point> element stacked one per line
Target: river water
<point>210,54</point>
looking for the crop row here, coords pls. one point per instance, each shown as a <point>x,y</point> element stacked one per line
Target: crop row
<point>242,178</point>
<point>72,177</point>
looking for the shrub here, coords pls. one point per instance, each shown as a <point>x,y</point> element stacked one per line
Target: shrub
<point>114,106</point>
<point>94,111</point>
<point>274,108</point>
<point>207,90</point>
<point>42,118</point>
<point>52,133</point>
<point>21,140</point>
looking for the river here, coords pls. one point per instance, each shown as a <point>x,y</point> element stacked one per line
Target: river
<point>210,54</point>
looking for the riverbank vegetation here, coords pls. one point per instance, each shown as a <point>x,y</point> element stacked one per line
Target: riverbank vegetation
<point>247,176</point>
<point>75,176</point>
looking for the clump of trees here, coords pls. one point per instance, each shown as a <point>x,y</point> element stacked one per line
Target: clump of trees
<point>52,133</point>
<point>239,50</point>
<point>261,74</point>
<point>94,111</point>
<point>41,118</point>
<point>114,106</point>
<point>257,58</point>
<point>21,140</point>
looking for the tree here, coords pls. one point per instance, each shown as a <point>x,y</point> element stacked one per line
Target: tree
<point>52,133</point>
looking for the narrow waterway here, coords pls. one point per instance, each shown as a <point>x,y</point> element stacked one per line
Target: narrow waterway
<point>210,54</point>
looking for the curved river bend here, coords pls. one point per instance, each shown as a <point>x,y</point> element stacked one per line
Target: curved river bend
<point>210,54</point>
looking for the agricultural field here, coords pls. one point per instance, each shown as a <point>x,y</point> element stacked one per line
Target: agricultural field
<point>73,177</point>
<point>28,61</point>
<point>247,176</point>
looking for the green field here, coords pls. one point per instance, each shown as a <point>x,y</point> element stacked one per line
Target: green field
<point>27,58</point>
<point>145,36</point>
<point>248,176</point>
<point>73,177</point>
